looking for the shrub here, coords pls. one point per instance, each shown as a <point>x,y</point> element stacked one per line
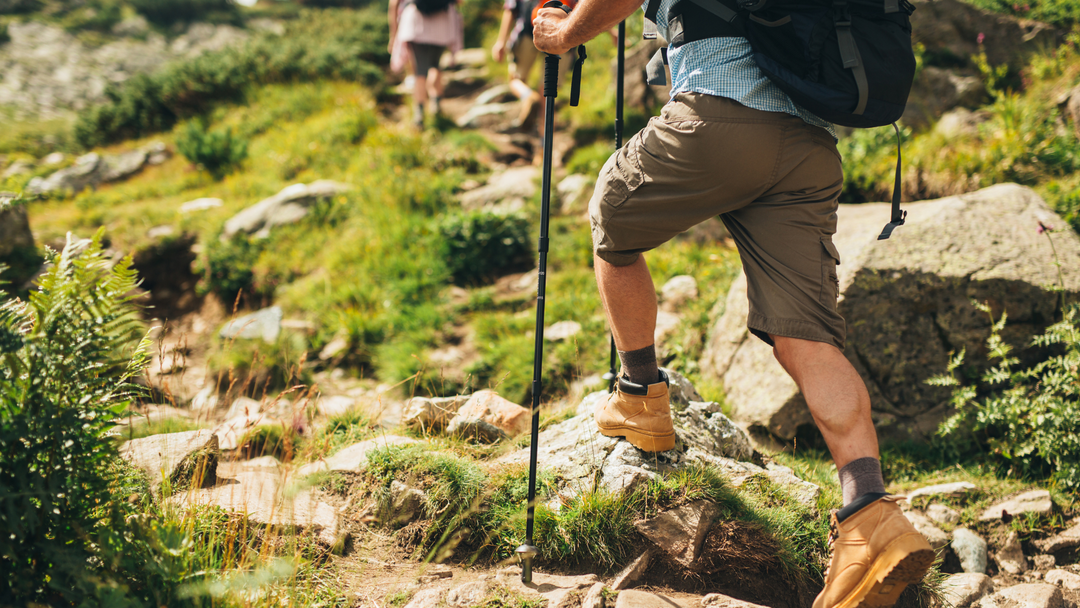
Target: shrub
<point>219,151</point>
<point>226,268</point>
<point>1062,13</point>
<point>167,11</point>
<point>1028,418</point>
<point>348,45</point>
<point>5,37</point>
<point>479,247</point>
<point>70,354</point>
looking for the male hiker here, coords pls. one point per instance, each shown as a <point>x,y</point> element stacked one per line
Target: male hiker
<point>730,143</point>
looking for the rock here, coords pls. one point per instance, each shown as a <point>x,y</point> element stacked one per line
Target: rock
<point>486,115</point>
<point>467,595</point>
<point>231,432</point>
<point>558,591</point>
<point>1044,562</point>
<point>1034,501</point>
<point>431,413</point>
<point>334,405</point>
<point>678,291</point>
<point>907,302</point>
<point>123,166</point>
<point>581,456</point>
<point>19,167</point>
<point>204,402</point>
<point>971,549</point>
<point>719,600</point>
<point>1064,579</point>
<point>1071,103</point>
<point>937,92</point>
<point>960,123</point>
<point>181,458</point>
<point>963,590</point>
<point>1026,595</point>
<point>645,599</point>
<point>937,538</point>
<point>262,462</point>
<point>201,204</point>
<point>157,153</point>
<point>14,227</point>
<point>354,457</point>
<point>244,406</point>
<point>594,597</point>
<point>1010,557</point>
<point>1065,540</point>
<point>480,431</point>
<point>574,192</point>
<point>286,207</point>
<point>265,324</point>
<point>942,514</point>
<point>563,330</point>
<point>488,407</point>
<point>515,183</point>
<point>633,571</point>
<point>426,598</point>
<point>469,58</point>
<point>680,390</point>
<point>88,170</point>
<point>639,94</point>
<point>680,532</point>
<point>258,494</point>
<point>406,504</point>
<point>132,26</point>
<point>958,488</point>
<point>666,324</point>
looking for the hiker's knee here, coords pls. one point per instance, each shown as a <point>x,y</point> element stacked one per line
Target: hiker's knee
<point>791,352</point>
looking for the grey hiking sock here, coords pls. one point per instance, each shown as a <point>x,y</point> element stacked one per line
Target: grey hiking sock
<point>640,365</point>
<point>861,476</point>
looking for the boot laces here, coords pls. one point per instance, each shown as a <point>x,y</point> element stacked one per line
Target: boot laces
<point>834,534</point>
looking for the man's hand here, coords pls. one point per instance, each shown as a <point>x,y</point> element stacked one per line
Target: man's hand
<point>498,51</point>
<point>548,31</point>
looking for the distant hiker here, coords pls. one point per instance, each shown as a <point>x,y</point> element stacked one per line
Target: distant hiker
<point>515,34</point>
<point>420,30</point>
<point>731,143</point>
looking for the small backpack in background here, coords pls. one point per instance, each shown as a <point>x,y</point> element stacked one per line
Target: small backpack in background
<point>431,7</point>
<point>849,62</point>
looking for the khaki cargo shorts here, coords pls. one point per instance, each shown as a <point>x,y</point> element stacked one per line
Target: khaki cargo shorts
<point>772,178</point>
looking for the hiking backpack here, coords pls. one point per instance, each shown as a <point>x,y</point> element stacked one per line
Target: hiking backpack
<point>849,62</point>
<point>430,7</point>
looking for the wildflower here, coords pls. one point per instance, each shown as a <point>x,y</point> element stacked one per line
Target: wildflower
<point>1043,228</point>
<point>980,38</point>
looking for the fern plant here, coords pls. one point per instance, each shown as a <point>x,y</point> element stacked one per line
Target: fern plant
<point>69,355</point>
<point>1029,418</point>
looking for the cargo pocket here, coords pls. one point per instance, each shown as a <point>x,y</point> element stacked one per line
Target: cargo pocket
<point>830,283</point>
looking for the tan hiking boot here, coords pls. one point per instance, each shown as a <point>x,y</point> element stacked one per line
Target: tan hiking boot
<point>876,554</point>
<point>640,414</point>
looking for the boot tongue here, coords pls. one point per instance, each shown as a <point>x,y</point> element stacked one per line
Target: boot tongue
<point>856,505</point>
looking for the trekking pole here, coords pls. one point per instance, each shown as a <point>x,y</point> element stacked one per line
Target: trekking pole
<point>528,551</point>
<point>620,69</point>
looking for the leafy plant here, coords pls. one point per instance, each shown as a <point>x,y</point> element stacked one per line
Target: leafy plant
<point>169,11</point>
<point>1028,419</point>
<point>70,354</point>
<point>1062,13</point>
<point>219,151</point>
<point>479,247</point>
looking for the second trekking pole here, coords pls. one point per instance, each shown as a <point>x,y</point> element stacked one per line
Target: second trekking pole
<point>528,551</point>
<point>620,70</point>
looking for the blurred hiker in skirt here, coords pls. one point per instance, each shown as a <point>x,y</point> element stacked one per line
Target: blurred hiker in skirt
<point>420,30</point>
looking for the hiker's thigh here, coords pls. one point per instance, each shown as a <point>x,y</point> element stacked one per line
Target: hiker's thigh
<point>523,57</point>
<point>701,157</point>
<point>427,56</point>
<point>785,242</point>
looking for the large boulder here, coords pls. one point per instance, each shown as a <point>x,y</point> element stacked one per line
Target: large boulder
<point>187,459</point>
<point>14,226</point>
<point>908,306</point>
<point>286,207</point>
<point>88,170</point>
<point>581,457</point>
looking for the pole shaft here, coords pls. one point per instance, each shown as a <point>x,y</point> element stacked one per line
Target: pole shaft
<point>620,69</point>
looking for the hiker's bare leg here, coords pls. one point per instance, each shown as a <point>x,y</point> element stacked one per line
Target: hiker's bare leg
<point>629,298</point>
<point>420,89</point>
<point>836,395</point>
<point>436,81</point>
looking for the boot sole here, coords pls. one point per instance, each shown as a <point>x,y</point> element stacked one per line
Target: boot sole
<point>645,442</point>
<point>904,562</point>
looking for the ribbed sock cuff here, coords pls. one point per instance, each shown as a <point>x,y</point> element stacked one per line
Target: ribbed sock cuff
<point>640,365</point>
<point>861,476</point>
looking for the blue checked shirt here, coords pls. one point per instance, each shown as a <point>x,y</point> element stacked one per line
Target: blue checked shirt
<point>725,67</point>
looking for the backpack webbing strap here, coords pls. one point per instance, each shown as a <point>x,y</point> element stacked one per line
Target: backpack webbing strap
<point>655,70</point>
<point>849,54</point>
<point>898,215</point>
<point>717,8</point>
<point>651,9</point>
